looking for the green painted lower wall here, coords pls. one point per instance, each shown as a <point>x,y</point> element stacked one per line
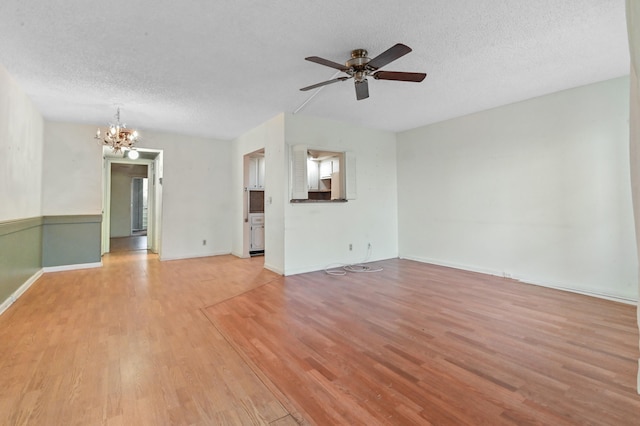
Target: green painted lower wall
<point>71,240</point>
<point>28,245</point>
<point>20,253</point>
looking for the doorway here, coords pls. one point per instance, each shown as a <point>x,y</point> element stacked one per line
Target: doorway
<point>254,203</point>
<point>127,223</point>
<point>132,200</point>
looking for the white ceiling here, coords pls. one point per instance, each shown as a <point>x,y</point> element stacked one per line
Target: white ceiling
<point>220,68</point>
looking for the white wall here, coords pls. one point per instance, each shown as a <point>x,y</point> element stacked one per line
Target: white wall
<point>196,196</point>
<point>537,190</point>
<point>633,27</point>
<point>72,170</point>
<point>318,234</point>
<point>275,180</point>
<point>21,136</point>
<point>270,136</point>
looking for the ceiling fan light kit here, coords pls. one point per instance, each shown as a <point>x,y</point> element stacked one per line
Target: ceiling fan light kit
<point>360,66</point>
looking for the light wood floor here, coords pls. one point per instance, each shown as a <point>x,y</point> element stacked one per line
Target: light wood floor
<point>222,341</point>
<point>119,244</point>
<point>421,344</point>
<point>128,344</point>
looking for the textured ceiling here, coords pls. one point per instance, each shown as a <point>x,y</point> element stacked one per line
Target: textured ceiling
<point>220,68</point>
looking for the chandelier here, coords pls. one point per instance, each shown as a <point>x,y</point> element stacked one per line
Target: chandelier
<point>118,137</point>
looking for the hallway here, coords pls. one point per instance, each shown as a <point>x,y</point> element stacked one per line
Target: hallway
<point>133,243</point>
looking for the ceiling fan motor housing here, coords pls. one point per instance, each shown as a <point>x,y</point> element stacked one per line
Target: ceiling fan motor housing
<point>358,64</point>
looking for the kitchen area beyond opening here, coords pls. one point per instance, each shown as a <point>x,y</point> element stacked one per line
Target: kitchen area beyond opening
<point>254,203</point>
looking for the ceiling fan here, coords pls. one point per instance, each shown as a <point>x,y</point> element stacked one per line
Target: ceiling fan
<point>359,67</point>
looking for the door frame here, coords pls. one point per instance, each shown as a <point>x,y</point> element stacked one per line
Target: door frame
<point>246,222</point>
<point>154,213</point>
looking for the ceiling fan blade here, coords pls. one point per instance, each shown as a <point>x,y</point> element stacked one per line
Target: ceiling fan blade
<point>362,89</point>
<point>326,62</point>
<point>400,76</point>
<point>389,55</point>
<point>324,83</point>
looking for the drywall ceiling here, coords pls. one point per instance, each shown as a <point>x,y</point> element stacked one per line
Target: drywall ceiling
<point>220,68</point>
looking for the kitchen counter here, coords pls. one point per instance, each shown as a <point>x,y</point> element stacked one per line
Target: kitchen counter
<point>317,201</point>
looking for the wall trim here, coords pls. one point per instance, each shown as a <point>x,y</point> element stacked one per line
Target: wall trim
<point>61,268</point>
<point>611,297</point>
<point>72,218</point>
<point>334,265</point>
<point>13,226</point>
<point>273,269</point>
<point>240,255</point>
<point>194,256</point>
<point>20,291</point>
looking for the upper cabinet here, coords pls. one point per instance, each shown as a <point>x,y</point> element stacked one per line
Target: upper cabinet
<point>312,174</point>
<point>256,173</point>
<point>328,167</point>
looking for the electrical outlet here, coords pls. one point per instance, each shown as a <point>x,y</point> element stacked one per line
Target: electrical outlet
<point>204,242</point>
<point>350,247</point>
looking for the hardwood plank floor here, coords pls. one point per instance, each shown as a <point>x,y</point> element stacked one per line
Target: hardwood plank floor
<point>222,341</point>
<point>136,242</point>
<point>128,344</point>
<point>421,344</point>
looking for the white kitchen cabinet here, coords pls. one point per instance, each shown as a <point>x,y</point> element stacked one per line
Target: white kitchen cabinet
<point>335,165</point>
<point>329,167</point>
<point>256,173</point>
<point>326,168</point>
<point>312,175</point>
<point>256,222</point>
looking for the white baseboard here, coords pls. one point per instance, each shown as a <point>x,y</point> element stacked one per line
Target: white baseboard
<point>454,265</point>
<point>612,297</point>
<point>323,267</point>
<point>240,255</point>
<point>273,269</point>
<point>194,256</point>
<point>20,291</point>
<point>72,267</point>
